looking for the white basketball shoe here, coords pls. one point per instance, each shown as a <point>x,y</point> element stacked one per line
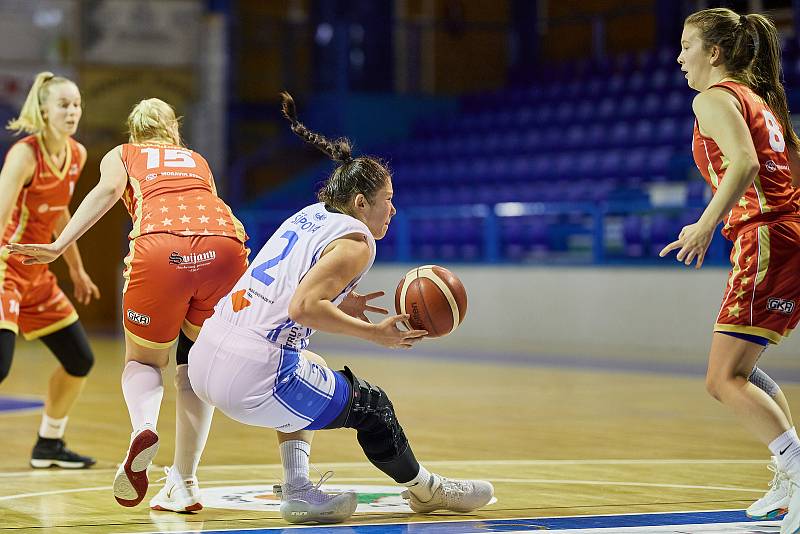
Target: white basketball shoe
<point>179,494</point>
<point>453,495</point>
<point>775,502</point>
<point>308,504</point>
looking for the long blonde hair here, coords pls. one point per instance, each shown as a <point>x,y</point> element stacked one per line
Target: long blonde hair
<point>153,119</point>
<point>30,118</point>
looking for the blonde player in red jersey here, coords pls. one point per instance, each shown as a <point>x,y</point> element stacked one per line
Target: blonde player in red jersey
<point>36,185</point>
<point>745,147</point>
<point>186,252</point>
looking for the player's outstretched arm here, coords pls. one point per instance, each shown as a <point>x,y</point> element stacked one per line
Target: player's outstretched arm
<point>105,194</point>
<point>312,304</point>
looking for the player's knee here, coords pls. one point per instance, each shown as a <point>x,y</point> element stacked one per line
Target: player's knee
<point>373,416</point>
<point>712,387</point>
<point>184,346</point>
<point>79,363</point>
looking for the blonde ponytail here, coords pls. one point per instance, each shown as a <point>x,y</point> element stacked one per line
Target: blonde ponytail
<point>30,118</point>
<point>153,120</point>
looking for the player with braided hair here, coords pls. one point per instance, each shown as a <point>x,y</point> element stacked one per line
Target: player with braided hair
<point>251,359</point>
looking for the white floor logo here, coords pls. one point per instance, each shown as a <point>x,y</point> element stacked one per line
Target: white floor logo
<point>380,499</point>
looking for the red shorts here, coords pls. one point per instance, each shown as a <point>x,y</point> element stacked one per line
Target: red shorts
<point>763,293</point>
<point>31,301</point>
<point>175,281</point>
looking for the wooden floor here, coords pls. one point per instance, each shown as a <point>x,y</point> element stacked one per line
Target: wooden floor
<point>554,441</point>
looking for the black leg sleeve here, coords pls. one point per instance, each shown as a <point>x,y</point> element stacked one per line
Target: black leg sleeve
<point>71,347</point>
<point>7,342</point>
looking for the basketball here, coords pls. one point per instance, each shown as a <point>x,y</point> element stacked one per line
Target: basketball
<point>434,298</point>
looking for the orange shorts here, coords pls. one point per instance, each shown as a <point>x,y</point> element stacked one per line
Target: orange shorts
<point>174,282</point>
<point>763,294</point>
<point>31,301</point>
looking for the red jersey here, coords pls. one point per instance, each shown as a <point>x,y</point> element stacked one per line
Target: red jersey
<point>771,196</point>
<point>41,202</point>
<point>171,189</point>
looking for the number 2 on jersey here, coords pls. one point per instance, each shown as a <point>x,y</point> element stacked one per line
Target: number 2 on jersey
<point>259,272</point>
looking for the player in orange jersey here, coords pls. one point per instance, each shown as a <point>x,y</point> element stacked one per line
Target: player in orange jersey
<point>186,252</point>
<point>36,185</point>
<point>746,149</point>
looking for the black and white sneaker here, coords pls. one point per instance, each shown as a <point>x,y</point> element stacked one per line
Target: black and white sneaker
<point>52,452</point>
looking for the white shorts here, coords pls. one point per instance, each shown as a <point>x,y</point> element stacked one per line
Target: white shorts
<point>256,382</point>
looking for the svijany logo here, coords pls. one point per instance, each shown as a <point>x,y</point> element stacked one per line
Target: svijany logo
<point>193,258</point>
<point>775,304</point>
<point>138,318</point>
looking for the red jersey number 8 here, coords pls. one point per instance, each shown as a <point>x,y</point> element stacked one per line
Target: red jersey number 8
<point>776,140</point>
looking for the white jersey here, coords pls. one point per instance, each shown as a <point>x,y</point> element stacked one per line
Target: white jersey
<point>259,301</point>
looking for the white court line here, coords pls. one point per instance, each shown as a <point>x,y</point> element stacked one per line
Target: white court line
<point>383,480</point>
<point>441,463</point>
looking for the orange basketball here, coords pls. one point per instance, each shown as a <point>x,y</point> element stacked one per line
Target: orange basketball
<point>434,298</point>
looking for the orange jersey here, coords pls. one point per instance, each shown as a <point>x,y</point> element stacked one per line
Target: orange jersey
<point>41,202</point>
<point>771,196</point>
<point>171,189</point>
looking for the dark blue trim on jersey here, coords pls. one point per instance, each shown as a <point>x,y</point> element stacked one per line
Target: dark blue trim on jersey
<point>752,338</point>
<point>272,335</point>
<point>341,397</point>
<point>295,394</point>
<point>525,524</point>
<point>289,361</point>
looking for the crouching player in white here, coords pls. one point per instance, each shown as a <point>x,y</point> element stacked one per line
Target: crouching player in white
<point>250,359</point>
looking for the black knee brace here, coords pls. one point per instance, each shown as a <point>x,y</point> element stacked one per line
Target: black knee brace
<point>372,415</point>
<point>184,346</point>
<point>7,341</point>
<point>71,347</point>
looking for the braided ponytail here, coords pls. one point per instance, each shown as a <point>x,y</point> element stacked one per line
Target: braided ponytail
<point>338,150</point>
<point>364,175</point>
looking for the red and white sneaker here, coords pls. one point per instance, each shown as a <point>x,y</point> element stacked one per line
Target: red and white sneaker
<point>130,482</point>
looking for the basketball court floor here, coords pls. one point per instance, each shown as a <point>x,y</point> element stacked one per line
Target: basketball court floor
<point>571,443</point>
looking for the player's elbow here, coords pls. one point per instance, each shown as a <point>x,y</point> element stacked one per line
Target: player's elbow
<point>751,165</point>
<point>300,309</point>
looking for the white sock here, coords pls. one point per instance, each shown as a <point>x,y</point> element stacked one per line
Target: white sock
<point>52,428</point>
<point>192,423</point>
<point>295,455</point>
<point>143,388</point>
<point>786,449</point>
<point>422,484</point>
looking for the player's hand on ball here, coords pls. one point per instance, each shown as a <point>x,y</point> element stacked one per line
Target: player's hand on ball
<point>387,333</point>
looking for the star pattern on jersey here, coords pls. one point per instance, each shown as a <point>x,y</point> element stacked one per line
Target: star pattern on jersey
<point>745,280</point>
<point>745,217</point>
<point>734,310</point>
<point>743,202</point>
<point>192,218</point>
<point>740,293</point>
